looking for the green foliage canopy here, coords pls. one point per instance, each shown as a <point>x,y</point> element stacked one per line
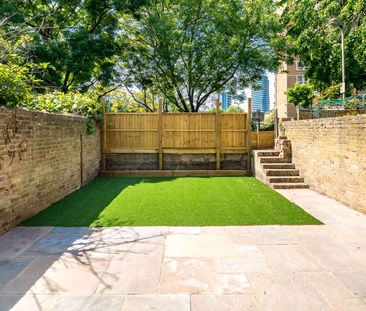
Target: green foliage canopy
<point>79,39</point>
<point>13,85</point>
<point>301,95</point>
<point>190,49</point>
<point>308,35</point>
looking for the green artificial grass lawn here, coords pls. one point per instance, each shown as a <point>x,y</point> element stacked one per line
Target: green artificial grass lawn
<point>185,201</point>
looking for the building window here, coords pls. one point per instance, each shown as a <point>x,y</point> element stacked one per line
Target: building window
<point>301,80</point>
<point>300,66</point>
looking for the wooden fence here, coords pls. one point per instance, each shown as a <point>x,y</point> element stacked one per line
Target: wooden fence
<point>179,133</point>
<point>262,140</point>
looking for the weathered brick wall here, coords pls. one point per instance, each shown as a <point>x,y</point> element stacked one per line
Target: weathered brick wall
<point>331,154</point>
<point>43,158</point>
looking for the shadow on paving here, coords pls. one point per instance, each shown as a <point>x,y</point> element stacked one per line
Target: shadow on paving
<point>42,261</point>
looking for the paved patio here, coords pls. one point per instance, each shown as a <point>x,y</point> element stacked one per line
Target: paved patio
<point>181,269</point>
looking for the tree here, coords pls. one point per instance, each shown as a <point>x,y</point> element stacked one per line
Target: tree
<point>307,34</point>
<point>16,71</point>
<point>79,39</point>
<point>235,108</point>
<point>301,95</point>
<point>190,49</point>
<point>268,122</point>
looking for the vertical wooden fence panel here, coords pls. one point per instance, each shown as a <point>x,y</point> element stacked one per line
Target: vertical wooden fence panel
<point>216,133</point>
<point>160,134</point>
<point>188,131</point>
<point>263,139</point>
<point>249,128</point>
<point>131,131</point>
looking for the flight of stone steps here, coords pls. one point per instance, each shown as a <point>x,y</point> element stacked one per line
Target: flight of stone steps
<point>276,171</point>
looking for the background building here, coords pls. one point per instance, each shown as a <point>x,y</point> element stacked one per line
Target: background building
<point>286,78</point>
<point>260,98</point>
<point>225,99</point>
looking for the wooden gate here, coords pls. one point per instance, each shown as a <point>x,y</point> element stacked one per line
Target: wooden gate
<point>216,133</point>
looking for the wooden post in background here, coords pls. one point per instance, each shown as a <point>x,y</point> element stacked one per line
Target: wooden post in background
<point>160,134</point>
<point>258,125</point>
<point>249,133</point>
<point>218,136</point>
<point>104,136</point>
<point>275,123</point>
<point>298,112</point>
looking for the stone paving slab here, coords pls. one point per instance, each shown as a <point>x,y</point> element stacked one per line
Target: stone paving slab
<point>191,268</point>
<point>20,238</point>
<point>224,302</point>
<point>60,276</point>
<point>156,302</point>
<point>61,303</point>
<point>9,269</point>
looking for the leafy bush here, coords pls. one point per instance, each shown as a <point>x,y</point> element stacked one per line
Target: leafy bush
<point>83,104</point>
<point>268,122</point>
<point>301,95</point>
<point>14,88</point>
<point>233,108</point>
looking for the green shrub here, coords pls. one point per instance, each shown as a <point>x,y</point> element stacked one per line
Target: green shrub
<point>14,88</point>
<point>82,104</point>
<point>78,103</point>
<point>233,108</point>
<point>268,122</point>
<point>301,95</point>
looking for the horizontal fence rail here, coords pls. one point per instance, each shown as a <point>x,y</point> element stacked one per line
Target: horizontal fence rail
<point>216,134</point>
<point>262,140</point>
<point>183,132</point>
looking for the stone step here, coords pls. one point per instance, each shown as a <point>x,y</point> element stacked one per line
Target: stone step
<point>268,153</point>
<point>274,160</point>
<point>282,172</point>
<point>290,186</point>
<point>285,179</point>
<point>278,166</point>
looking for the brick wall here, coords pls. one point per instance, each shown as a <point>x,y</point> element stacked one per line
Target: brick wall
<point>331,154</point>
<point>43,158</point>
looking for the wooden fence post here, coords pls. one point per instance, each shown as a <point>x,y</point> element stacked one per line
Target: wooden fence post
<point>104,136</point>
<point>249,133</point>
<point>160,134</point>
<point>218,136</point>
<point>257,137</point>
<point>275,122</point>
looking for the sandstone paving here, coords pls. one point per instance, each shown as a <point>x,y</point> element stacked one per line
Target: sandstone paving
<point>133,272</point>
<point>205,245</point>
<point>243,265</point>
<point>60,276</point>
<point>331,289</point>
<point>61,303</point>
<point>156,302</point>
<point>355,281</point>
<point>224,302</point>
<point>55,244</point>
<point>260,235</point>
<point>233,268</point>
<point>9,269</point>
<point>289,258</point>
<point>285,291</point>
<point>190,276</point>
<point>19,239</point>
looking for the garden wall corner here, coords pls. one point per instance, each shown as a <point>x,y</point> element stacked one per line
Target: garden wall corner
<point>331,155</point>
<point>43,158</point>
